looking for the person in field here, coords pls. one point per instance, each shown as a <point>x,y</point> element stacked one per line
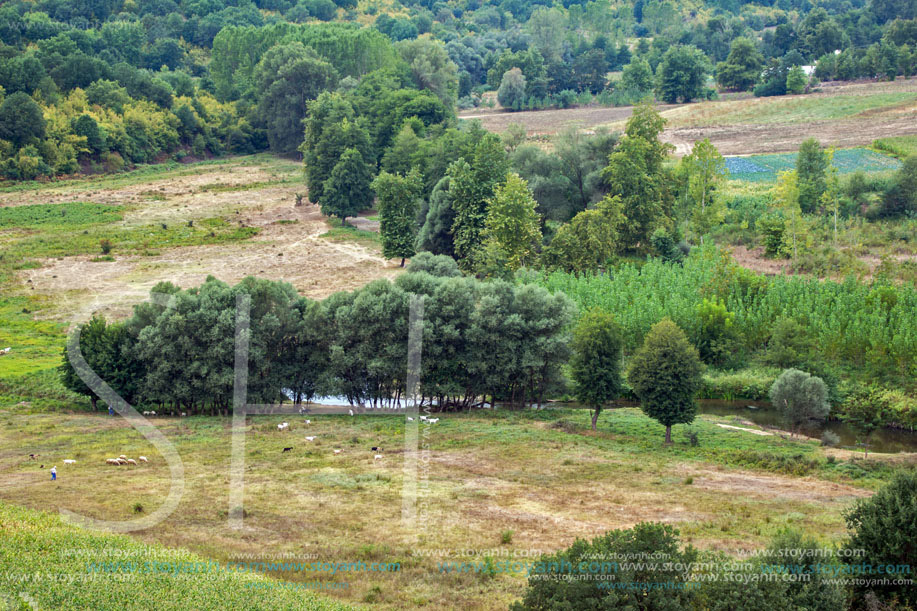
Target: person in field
<point>53,473</point>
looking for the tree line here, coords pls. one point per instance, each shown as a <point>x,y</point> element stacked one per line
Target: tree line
<point>482,342</point>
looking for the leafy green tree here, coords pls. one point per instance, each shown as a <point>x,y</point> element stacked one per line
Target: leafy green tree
<point>800,397</point>
<point>681,74</point>
<point>865,412</point>
<point>511,93</point>
<point>398,203</point>
<point>349,188</point>
<point>590,241</point>
<point>885,527</point>
<point>21,119</point>
<point>795,81</point>
<point>94,343</point>
<point>788,203</point>
<point>706,172</point>
<point>901,198</point>
<point>512,223</point>
<point>637,78</point>
<point>717,335</point>
<point>470,188</point>
<point>635,174</point>
<point>665,374</point>
<point>435,234</point>
<point>742,67</point>
<point>285,80</point>
<point>596,362</point>
<point>431,68</point>
<point>811,167</point>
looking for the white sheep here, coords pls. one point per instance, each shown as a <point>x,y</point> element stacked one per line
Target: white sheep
<point>146,413</point>
<point>142,459</point>
<point>308,422</point>
<point>338,451</point>
<point>410,419</point>
<point>423,417</point>
<point>113,461</point>
<point>131,461</point>
<point>378,457</point>
<point>312,438</point>
<point>351,412</point>
<point>432,420</point>
<point>152,413</point>
<point>69,461</point>
<point>123,457</point>
<point>183,414</point>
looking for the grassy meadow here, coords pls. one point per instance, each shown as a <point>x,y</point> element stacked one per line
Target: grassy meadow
<point>502,481</point>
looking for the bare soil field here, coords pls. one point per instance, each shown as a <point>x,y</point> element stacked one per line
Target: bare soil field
<point>289,245</point>
<point>839,114</point>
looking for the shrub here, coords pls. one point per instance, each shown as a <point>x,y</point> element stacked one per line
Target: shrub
<point>559,581</point>
<point>436,265</point>
<point>830,439</point>
<point>773,232</point>
<point>885,528</point>
<point>789,344</point>
<point>800,397</point>
<point>105,245</point>
<point>717,337</point>
<point>666,246</point>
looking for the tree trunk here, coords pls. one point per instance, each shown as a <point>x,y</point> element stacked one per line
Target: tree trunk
<point>668,435</point>
<point>402,261</point>
<point>93,400</point>
<point>595,418</point>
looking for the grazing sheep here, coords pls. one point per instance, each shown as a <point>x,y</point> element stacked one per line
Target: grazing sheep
<point>423,417</point>
<point>410,419</point>
<point>290,449</point>
<point>351,412</point>
<point>69,461</point>
<point>184,415</point>
<point>112,461</point>
<point>152,413</point>
<point>123,457</point>
<point>308,422</point>
<point>131,461</point>
<point>280,427</point>
<point>432,420</point>
<point>32,456</point>
<point>338,451</point>
<point>310,438</point>
<point>122,461</point>
<point>142,459</point>
<point>146,413</point>
<point>376,449</point>
<point>378,457</point>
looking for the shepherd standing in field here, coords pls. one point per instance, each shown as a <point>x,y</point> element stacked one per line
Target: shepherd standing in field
<point>53,473</point>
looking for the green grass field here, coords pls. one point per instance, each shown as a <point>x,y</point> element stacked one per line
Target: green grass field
<point>785,109</point>
<point>899,146</point>
<point>56,565</point>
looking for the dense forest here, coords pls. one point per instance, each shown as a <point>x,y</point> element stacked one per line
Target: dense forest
<point>94,86</point>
